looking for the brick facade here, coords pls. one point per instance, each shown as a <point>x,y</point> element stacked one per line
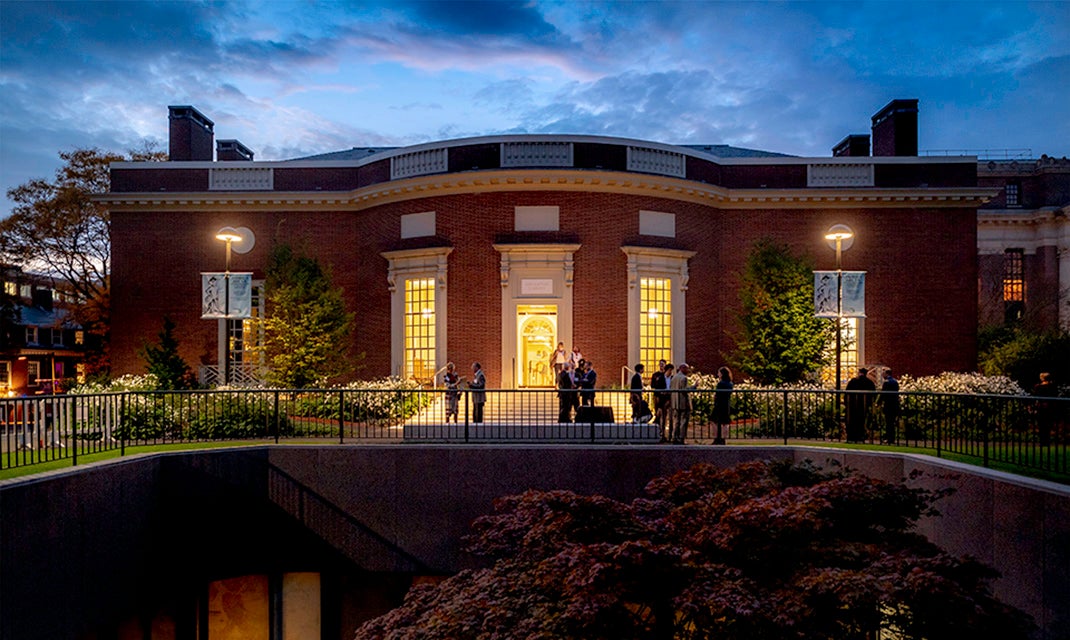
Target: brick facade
<point>914,220</point>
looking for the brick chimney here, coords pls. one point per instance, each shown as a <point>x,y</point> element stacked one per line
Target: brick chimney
<point>190,134</point>
<point>851,146</point>
<point>231,150</point>
<point>895,129</point>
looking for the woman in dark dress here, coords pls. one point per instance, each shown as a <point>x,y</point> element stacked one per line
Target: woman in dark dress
<point>722,402</point>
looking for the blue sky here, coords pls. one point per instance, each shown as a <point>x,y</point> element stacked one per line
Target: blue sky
<point>296,78</point>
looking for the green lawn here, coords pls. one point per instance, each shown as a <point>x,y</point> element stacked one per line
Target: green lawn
<point>1062,451</point>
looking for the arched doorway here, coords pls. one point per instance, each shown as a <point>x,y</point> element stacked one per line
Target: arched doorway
<point>536,339</point>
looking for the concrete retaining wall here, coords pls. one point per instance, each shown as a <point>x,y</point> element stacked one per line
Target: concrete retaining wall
<point>66,534</point>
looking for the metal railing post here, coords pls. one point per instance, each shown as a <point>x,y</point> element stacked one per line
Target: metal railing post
<point>74,433</point>
<point>276,416</point>
<point>466,394</point>
<point>122,434</point>
<point>784,417</point>
<point>341,416</point>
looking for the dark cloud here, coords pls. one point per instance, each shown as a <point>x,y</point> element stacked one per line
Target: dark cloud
<point>474,18</point>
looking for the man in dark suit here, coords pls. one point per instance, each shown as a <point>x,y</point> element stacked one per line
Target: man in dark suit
<point>566,393</point>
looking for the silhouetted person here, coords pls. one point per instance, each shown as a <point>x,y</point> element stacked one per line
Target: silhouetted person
<point>479,396</point>
<point>858,405</point>
<point>890,406</point>
<point>1045,408</point>
<point>722,398</point>
<point>566,395</point>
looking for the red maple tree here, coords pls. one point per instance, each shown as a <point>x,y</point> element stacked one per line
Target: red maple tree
<point>760,550</point>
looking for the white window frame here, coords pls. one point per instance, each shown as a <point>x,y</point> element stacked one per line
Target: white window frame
<point>653,262</point>
<point>430,262</point>
<point>32,335</point>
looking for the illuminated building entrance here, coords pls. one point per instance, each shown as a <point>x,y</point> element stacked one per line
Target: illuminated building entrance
<point>536,340</point>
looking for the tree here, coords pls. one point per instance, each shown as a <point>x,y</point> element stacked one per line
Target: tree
<point>56,227</point>
<point>760,550</point>
<point>163,360</point>
<point>306,328</point>
<point>1021,354</point>
<point>783,341</point>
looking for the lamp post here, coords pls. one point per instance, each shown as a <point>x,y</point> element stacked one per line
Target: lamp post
<point>841,238</point>
<point>227,235</point>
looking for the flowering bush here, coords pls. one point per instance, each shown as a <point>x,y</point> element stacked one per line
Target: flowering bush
<point>392,398</point>
<point>950,382</point>
<point>128,382</point>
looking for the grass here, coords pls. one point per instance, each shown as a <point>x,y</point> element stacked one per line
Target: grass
<point>1062,478</point>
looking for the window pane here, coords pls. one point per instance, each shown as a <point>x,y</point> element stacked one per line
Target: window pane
<point>420,328</point>
<point>655,321</point>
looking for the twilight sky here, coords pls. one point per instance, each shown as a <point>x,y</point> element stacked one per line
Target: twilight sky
<point>296,78</point>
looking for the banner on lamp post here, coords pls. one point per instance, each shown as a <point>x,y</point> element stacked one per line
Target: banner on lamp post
<point>226,295</point>
<point>852,294</point>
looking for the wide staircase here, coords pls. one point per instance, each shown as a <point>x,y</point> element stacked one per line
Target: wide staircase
<point>532,415</point>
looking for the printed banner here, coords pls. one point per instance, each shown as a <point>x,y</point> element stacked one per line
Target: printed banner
<point>852,299</point>
<point>215,301</point>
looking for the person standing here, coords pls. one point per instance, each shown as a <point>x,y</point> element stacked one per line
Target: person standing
<point>478,387</point>
<point>681,403</point>
<point>587,383</point>
<point>575,357</point>
<point>1045,408</point>
<point>890,406</point>
<point>636,397</point>
<point>722,398</point>
<point>659,383</point>
<point>565,393</point>
<point>451,380</point>
<point>577,380</point>
<point>858,405</point>
<point>559,359</point>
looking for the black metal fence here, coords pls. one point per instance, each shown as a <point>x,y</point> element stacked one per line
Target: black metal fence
<point>1022,431</point>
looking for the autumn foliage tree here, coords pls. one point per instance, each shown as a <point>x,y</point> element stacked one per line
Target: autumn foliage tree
<point>57,228</point>
<point>761,550</point>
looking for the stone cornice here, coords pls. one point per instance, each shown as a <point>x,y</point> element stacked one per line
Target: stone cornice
<point>551,180</point>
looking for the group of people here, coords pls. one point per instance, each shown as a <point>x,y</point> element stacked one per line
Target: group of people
<point>576,379</point>
<point>477,385</point>
<point>672,400</point>
<point>858,405</point>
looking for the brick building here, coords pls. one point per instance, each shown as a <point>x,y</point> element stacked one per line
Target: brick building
<point>1023,243</point>
<point>496,248</point>
<point>42,349</point>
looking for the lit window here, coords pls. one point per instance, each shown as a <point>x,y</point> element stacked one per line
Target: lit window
<point>420,328</point>
<point>1012,191</point>
<point>80,372</point>
<point>31,335</point>
<point>1013,285</point>
<point>11,289</point>
<point>247,335</point>
<point>79,337</point>
<point>850,350</point>
<point>26,291</point>
<point>33,373</point>
<point>655,321</point>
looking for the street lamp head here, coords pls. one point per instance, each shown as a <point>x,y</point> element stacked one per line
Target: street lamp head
<point>840,234</point>
<point>228,234</point>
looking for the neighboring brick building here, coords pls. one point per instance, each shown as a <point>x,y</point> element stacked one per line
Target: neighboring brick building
<point>496,248</point>
<point>41,348</point>
<point>1023,243</point>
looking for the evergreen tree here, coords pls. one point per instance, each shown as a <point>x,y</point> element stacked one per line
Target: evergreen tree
<point>163,361</point>
<point>783,341</point>
<point>306,329</point>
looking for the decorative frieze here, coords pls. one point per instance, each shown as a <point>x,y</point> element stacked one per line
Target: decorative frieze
<point>839,175</point>
<point>419,163</point>
<point>536,154</point>
<point>241,179</point>
<point>648,160</point>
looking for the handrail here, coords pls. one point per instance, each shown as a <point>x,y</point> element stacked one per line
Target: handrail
<point>434,376</point>
<point>624,378</point>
